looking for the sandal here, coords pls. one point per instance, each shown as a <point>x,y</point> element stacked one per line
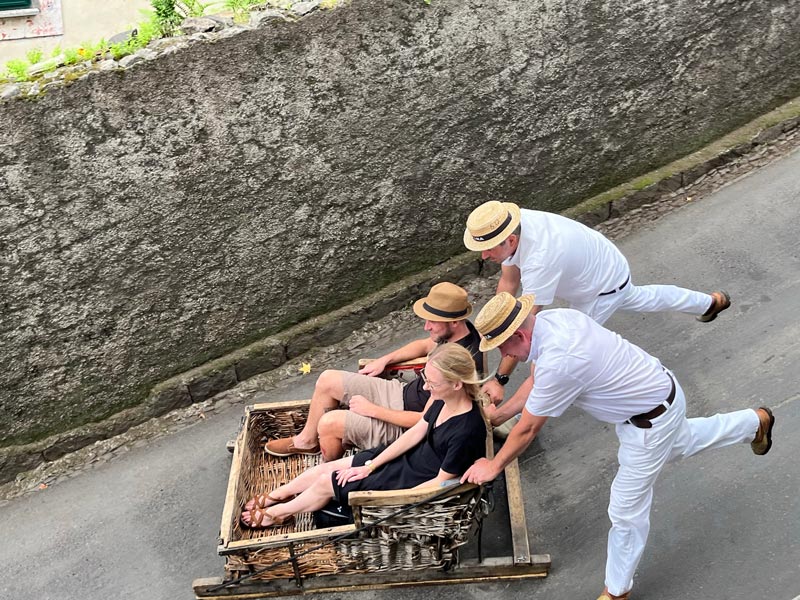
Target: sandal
<point>258,515</point>
<point>261,500</point>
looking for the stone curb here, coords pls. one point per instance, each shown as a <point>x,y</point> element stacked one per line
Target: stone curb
<point>687,170</point>
<point>221,374</point>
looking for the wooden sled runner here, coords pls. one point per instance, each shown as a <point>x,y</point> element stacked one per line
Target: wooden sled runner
<point>415,540</point>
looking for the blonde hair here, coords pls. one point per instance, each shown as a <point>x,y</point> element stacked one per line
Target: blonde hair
<point>456,364</point>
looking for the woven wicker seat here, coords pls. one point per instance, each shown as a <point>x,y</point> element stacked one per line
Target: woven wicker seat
<point>423,537</point>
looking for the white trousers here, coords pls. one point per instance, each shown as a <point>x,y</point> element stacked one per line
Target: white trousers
<point>646,298</point>
<point>642,455</point>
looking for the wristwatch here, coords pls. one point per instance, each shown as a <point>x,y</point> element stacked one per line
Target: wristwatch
<point>368,464</point>
<point>501,379</point>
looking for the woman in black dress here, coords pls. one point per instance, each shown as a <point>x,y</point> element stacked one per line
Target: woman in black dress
<point>441,446</point>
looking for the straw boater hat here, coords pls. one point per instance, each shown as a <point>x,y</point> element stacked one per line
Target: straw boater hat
<point>490,224</point>
<point>501,317</point>
<point>445,302</point>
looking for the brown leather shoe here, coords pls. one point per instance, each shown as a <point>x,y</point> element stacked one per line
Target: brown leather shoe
<point>763,440</point>
<point>606,596</point>
<point>719,302</point>
<point>286,447</point>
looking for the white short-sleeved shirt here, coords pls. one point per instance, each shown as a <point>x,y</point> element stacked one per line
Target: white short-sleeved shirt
<point>581,362</point>
<point>561,258</point>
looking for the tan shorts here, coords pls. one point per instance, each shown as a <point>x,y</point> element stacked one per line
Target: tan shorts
<point>365,432</point>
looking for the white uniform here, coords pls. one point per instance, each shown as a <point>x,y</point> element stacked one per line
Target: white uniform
<point>579,362</point>
<point>561,258</point>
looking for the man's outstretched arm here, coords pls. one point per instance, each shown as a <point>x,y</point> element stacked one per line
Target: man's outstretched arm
<point>521,436</point>
<point>411,350</point>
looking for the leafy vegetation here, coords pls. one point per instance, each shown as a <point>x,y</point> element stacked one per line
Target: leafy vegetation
<point>71,56</point>
<point>163,21</point>
<point>34,55</point>
<point>166,15</point>
<point>18,69</point>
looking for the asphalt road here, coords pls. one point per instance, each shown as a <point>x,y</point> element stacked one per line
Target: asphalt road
<point>725,525</point>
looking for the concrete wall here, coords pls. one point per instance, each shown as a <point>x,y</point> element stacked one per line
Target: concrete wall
<point>83,21</point>
<point>153,218</point>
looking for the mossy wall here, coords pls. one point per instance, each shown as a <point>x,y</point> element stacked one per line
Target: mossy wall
<point>156,217</point>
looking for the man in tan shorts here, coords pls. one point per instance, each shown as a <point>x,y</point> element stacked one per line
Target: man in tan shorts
<point>380,409</point>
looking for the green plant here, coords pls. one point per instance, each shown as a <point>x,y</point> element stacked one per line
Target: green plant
<point>99,49</point>
<point>18,69</point>
<point>34,55</point>
<point>241,8</point>
<point>56,51</point>
<point>190,8</point>
<point>167,17</point>
<point>147,31</point>
<point>119,50</point>
<point>90,51</point>
<point>71,56</point>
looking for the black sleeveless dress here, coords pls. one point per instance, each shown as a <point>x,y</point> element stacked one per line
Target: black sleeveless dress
<point>452,446</point>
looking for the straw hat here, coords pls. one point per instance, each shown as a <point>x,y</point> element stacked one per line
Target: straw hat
<point>490,224</point>
<point>445,302</point>
<point>501,317</point>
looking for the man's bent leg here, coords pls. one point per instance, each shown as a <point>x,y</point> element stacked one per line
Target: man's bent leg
<point>364,432</point>
<point>328,391</point>
<point>331,433</point>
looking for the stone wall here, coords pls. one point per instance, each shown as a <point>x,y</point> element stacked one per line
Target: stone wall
<point>156,217</point>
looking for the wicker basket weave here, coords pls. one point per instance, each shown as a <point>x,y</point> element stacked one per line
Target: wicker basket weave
<point>421,537</point>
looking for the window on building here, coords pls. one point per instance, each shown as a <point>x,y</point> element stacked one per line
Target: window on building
<point>18,8</point>
<point>14,4</point>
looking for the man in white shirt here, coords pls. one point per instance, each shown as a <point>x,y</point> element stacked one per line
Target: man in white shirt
<point>579,362</point>
<point>552,256</point>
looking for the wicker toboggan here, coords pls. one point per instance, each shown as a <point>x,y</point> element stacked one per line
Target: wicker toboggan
<point>421,537</point>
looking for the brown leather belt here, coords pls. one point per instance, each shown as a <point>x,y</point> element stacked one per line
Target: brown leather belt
<point>642,421</point>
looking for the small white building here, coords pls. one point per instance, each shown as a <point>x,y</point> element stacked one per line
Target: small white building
<point>47,24</point>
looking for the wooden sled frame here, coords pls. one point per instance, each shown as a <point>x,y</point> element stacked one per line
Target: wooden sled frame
<point>521,564</point>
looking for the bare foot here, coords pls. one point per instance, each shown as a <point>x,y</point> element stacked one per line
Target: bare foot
<point>259,518</point>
